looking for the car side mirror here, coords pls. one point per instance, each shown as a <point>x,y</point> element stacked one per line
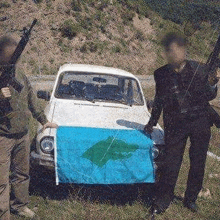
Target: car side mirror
<point>43,95</point>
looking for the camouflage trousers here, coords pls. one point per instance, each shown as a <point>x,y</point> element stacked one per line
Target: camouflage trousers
<point>14,170</point>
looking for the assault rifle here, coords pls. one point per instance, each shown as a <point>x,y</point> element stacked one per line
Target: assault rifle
<point>8,74</point>
<point>8,71</point>
<point>213,63</point>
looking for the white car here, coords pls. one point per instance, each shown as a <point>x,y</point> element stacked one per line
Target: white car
<point>101,113</point>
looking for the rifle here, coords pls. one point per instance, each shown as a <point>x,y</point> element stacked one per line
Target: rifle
<point>8,74</point>
<point>213,63</point>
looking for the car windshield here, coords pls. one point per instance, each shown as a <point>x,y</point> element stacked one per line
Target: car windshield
<point>96,87</point>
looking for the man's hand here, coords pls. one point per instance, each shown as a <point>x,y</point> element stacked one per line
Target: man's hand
<point>5,92</point>
<point>148,129</point>
<point>49,125</point>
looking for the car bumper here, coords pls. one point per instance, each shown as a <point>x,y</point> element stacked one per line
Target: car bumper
<point>37,159</point>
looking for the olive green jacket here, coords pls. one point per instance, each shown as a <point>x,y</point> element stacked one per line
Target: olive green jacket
<point>23,104</point>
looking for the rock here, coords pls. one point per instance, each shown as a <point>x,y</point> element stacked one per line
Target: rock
<point>212,175</point>
<point>205,193</point>
<point>54,27</point>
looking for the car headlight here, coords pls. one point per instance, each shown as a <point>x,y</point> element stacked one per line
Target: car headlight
<point>155,152</point>
<point>47,145</point>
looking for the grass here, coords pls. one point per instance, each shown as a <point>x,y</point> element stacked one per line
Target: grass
<point>77,202</point>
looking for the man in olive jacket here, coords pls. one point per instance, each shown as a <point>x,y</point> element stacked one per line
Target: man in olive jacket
<point>183,92</point>
<point>14,138</point>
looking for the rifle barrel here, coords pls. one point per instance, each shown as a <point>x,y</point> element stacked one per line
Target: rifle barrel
<point>214,55</point>
<point>22,43</point>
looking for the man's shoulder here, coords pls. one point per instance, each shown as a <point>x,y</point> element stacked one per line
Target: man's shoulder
<point>199,68</point>
<point>162,70</point>
<point>196,65</point>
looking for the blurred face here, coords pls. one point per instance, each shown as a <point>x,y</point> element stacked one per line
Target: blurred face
<point>175,54</point>
<point>7,54</point>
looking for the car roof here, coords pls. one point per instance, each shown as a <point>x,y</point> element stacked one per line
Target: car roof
<point>95,69</point>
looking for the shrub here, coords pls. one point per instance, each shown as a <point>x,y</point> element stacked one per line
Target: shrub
<point>102,5</point>
<point>4,5</point>
<point>37,1</point>
<point>63,47</point>
<point>32,62</point>
<point>51,60</point>
<point>89,46</point>
<point>34,49</point>
<point>76,6</point>
<point>94,46</point>
<point>116,49</point>
<point>139,35</point>
<point>86,23</point>
<point>127,17</point>
<point>70,29</point>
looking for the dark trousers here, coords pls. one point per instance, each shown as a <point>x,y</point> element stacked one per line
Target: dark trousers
<point>198,131</point>
<point>14,157</point>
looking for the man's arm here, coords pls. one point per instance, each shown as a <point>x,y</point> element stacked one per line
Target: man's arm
<point>33,105</point>
<point>210,88</point>
<point>157,107</point>
<point>36,110</point>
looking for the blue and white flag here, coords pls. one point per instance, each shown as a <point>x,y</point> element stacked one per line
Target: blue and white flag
<point>103,156</point>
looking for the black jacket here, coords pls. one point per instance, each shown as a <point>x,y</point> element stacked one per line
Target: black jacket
<point>195,92</point>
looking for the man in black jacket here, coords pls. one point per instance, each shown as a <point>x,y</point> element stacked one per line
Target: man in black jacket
<point>183,92</point>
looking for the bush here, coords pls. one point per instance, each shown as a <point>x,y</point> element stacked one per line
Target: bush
<point>94,46</point>
<point>37,1</point>
<point>127,16</point>
<point>32,62</point>
<point>86,23</point>
<point>63,47</point>
<point>116,49</point>
<point>4,5</point>
<point>139,35</point>
<point>102,5</point>
<point>70,29</point>
<point>89,46</point>
<point>76,6</point>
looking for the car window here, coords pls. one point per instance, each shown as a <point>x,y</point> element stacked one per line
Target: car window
<point>98,87</point>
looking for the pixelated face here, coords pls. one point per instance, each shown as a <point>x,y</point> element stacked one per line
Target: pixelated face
<point>175,54</point>
<point>7,54</point>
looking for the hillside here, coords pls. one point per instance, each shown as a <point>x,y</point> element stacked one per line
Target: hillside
<point>100,34</point>
<point>109,32</point>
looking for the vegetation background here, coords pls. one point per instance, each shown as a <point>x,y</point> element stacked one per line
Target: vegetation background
<point>118,33</point>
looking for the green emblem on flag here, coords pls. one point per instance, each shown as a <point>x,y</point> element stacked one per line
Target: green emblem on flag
<point>109,149</point>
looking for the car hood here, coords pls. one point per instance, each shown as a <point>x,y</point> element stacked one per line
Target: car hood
<point>104,115</point>
<point>101,115</point>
